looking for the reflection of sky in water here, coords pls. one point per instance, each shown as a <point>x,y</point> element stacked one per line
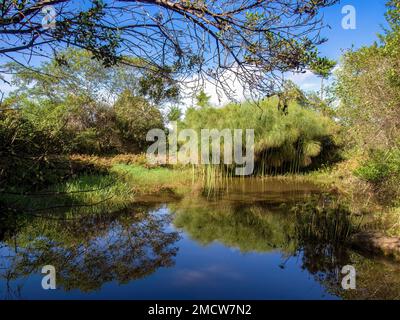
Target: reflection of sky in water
<point>213,271</point>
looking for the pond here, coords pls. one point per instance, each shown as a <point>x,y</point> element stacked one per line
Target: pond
<point>247,239</point>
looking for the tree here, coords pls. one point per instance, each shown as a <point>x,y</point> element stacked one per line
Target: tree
<point>135,117</point>
<point>323,67</point>
<point>202,99</point>
<point>391,38</point>
<point>76,73</point>
<point>292,92</point>
<point>91,108</point>
<point>174,113</point>
<point>369,90</point>
<point>190,38</point>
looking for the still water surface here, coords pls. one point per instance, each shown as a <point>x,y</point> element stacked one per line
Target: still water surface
<point>240,242</point>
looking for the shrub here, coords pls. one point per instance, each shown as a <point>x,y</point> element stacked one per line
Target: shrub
<point>135,116</point>
<point>380,165</point>
<point>284,142</point>
<point>382,169</point>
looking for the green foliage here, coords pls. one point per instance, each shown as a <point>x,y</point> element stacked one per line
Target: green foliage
<point>79,124</point>
<point>135,117</point>
<point>391,38</point>
<point>158,88</point>
<point>25,150</point>
<point>103,43</point>
<point>324,105</point>
<point>203,100</point>
<point>323,67</point>
<point>174,114</point>
<point>369,90</point>
<point>62,108</point>
<point>37,138</point>
<point>292,92</point>
<point>283,143</point>
<point>76,73</point>
<point>382,168</point>
<point>272,35</point>
<point>369,98</point>
<point>72,93</point>
<point>368,87</point>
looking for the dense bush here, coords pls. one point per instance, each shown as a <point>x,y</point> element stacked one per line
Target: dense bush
<point>93,109</point>
<point>32,156</point>
<point>134,118</point>
<point>38,135</point>
<point>284,142</point>
<point>375,169</point>
<point>382,169</point>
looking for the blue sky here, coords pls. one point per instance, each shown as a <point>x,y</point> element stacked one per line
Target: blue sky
<point>370,20</point>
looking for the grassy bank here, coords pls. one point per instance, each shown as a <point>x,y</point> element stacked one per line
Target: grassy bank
<point>144,180</point>
<point>363,198</point>
<point>119,183</point>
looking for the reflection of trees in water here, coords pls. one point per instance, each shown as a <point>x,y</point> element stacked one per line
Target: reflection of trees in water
<point>325,262</point>
<point>90,251</point>
<point>246,228</point>
<point>322,228</point>
<point>263,226</point>
<point>316,233</point>
<point>376,279</point>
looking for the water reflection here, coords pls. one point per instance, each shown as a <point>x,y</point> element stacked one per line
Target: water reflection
<point>269,228</point>
<point>89,251</point>
<point>296,221</point>
<point>246,240</point>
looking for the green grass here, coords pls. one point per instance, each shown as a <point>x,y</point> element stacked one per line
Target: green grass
<point>152,180</point>
<point>99,193</point>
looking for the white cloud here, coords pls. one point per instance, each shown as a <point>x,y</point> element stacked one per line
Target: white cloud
<point>227,89</point>
<point>307,81</point>
<point>5,88</point>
